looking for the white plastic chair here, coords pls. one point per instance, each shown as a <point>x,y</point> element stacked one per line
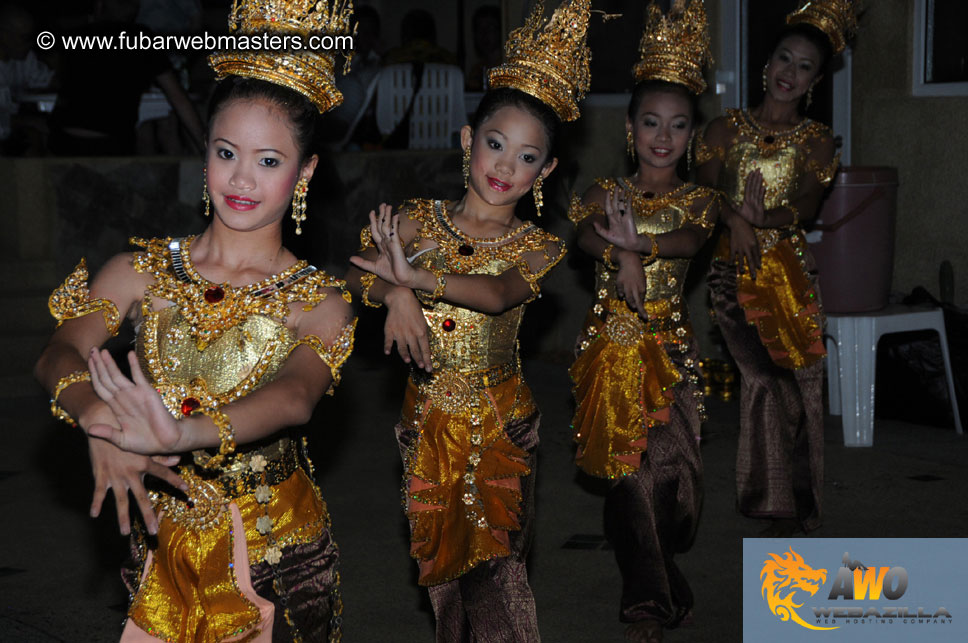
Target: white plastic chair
<point>438,111</point>
<point>852,360</point>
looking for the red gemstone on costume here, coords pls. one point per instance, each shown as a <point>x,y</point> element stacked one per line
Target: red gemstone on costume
<point>449,325</point>
<point>465,250</point>
<point>769,140</point>
<point>191,505</point>
<point>648,195</point>
<point>189,404</point>
<point>214,294</point>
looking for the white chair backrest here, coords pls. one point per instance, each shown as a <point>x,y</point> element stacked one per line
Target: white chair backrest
<point>438,111</point>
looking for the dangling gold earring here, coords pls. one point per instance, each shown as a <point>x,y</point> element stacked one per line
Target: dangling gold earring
<point>764,76</point>
<point>630,145</point>
<point>538,197</point>
<point>692,138</point>
<point>205,197</point>
<point>299,203</point>
<point>809,96</point>
<point>466,166</point>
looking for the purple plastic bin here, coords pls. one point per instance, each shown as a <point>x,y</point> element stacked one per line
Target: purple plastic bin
<point>855,252</point>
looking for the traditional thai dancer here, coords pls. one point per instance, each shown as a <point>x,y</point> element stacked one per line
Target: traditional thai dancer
<point>237,340</point>
<point>638,398</point>
<point>773,164</point>
<point>461,273</point>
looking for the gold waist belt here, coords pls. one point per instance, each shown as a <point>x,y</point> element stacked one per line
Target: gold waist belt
<point>477,380</point>
<point>282,460</point>
<point>663,315</point>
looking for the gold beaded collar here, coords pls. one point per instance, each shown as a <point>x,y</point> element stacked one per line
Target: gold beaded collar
<point>211,308</point>
<point>771,141</point>
<point>466,254</point>
<point>443,218</point>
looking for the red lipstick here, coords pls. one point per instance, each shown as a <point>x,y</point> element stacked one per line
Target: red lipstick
<point>500,186</point>
<point>240,203</point>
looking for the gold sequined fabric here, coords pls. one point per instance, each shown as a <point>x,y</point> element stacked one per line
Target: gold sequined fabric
<point>780,302</point>
<point>191,591</point>
<point>463,474</point>
<point>624,376</point>
<point>623,386</point>
<point>213,345</point>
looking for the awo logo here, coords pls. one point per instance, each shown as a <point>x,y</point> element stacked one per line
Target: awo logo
<point>858,582</point>
<point>784,576</point>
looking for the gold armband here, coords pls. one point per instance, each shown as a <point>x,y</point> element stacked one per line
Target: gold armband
<point>428,299</point>
<point>607,257</point>
<point>534,281</point>
<point>72,299</point>
<point>226,436</point>
<point>366,282</point>
<point>654,254</point>
<point>55,408</point>
<point>333,355</point>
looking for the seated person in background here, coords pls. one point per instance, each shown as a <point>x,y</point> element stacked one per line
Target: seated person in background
<point>486,32</point>
<point>418,35</point>
<point>20,70</point>
<point>164,135</point>
<point>100,90</point>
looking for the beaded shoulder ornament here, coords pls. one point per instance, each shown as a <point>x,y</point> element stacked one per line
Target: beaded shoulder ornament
<point>72,299</point>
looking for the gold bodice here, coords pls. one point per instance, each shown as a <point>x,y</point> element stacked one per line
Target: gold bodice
<point>216,343</point>
<point>689,204</point>
<point>783,157</point>
<point>462,339</point>
<point>664,277</point>
<point>245,356</point>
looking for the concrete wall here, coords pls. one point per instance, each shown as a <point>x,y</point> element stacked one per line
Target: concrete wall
<point>925,138</point>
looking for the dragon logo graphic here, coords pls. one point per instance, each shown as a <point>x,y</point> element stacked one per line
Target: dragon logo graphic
<point>782,577</point>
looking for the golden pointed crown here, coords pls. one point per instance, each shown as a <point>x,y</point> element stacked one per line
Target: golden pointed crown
<point>309,72</point>
<point>836,18</point>
<point>674,48</point>
<point>549,60</point>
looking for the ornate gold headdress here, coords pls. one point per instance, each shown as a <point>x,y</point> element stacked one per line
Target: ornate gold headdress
<point>836,18</point>
<point>551,64</point>
<point>311,73</point>
<point>674,48</point>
